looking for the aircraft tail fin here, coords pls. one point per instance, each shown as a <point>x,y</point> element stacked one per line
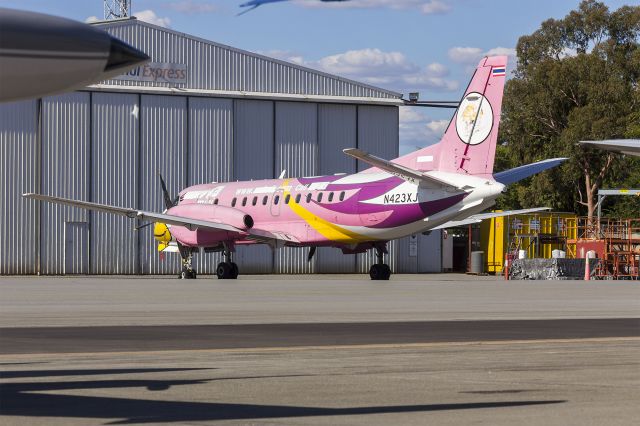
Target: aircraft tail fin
<point>469,143</point>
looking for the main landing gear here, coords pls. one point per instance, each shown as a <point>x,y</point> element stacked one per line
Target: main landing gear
<point>380,270</point>
<point>227,270</point>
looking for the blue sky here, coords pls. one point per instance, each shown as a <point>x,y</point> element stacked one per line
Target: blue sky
<point>428,46</point>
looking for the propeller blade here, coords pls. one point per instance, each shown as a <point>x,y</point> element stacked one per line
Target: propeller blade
<point>167,198</point>
<point>312,251</point>
<point>137,228</point>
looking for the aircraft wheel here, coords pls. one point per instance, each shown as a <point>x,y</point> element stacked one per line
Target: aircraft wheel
<point>187,274</point>
<point>227,271</point>
<point>234,271</point>
<point>223,270</point>
<point>386,271</point>
<point>380,272</point>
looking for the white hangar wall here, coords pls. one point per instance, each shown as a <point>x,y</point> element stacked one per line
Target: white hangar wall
<point>107,144</point>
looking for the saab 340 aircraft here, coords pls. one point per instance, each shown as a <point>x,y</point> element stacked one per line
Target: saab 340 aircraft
<point>442,185</point>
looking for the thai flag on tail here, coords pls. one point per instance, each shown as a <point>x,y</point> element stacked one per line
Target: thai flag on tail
<point>498,71</point>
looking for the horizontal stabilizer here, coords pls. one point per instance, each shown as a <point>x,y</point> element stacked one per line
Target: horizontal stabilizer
<point>410,175</point>
<point>477,218</point>
<point>516,174</point>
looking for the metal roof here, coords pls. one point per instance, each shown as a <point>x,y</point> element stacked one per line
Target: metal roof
<point>214,69</point>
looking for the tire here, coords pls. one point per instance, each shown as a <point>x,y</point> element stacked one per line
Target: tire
<point>234,271</point>
<point>386,272</point>
<point>223,271</point>
<point>375,272</point>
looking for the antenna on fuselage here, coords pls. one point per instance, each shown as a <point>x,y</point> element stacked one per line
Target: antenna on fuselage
<point>283,174</point>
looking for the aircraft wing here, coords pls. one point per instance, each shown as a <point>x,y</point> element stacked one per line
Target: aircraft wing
<point>402,172</point>
<point>189,223</point>
<point>477,218</point>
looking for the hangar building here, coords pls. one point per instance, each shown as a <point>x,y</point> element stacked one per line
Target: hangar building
<point>198,112</point>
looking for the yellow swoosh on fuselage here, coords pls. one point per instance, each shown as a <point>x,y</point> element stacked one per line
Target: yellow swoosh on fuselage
<point>325,228</point>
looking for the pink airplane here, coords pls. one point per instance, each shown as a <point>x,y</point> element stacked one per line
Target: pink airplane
<point>440,186</point>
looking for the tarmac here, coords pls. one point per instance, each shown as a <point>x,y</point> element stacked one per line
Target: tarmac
<point>318,350</point>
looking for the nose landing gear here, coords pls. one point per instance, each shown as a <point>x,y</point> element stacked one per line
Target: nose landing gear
<point>380,270</point>
<point>187,273</point>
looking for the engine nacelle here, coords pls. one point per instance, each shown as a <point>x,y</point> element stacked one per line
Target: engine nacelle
<point>213,213</point>
<point>210,213</point>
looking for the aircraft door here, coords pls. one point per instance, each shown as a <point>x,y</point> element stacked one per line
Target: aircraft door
<point>366,211</point>
<point>276,202</point>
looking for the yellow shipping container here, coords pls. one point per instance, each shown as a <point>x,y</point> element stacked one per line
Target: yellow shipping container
<point>538,234</point>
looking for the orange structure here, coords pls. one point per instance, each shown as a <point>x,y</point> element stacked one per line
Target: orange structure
<point>616,243</point>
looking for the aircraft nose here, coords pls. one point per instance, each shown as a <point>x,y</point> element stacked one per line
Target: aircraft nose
<point>123,56</point>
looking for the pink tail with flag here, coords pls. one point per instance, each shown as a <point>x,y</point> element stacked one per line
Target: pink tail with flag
<point>469,143</point>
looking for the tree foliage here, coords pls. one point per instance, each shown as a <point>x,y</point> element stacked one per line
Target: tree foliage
<point>576,79</point>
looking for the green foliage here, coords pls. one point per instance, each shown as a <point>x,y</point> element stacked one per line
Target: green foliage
<point>576,79</point>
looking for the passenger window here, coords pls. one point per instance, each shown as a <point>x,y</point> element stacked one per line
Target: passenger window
<point>342,196</point>
<point>244,201</point>
<point>255,201</point>
<point>330,196</point>
<point>264,200</point>
<point>308,197</point>
<point>298,199</point>
<point>319,196</point>
<point>287,198</point>
<point>233,202</point>
<point>276,199</point>
<point>215,201</point>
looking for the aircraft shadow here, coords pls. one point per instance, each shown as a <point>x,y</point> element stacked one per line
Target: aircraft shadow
<point>21,399</point>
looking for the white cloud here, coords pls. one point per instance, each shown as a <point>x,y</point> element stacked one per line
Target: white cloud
<point>91,19</point>
<point>151,17</point>
<point>427,7</point>
<point>192,7</point>
<point>392,70</point>
<point>371,62</point>
<point>417,130</point>
<point>470,56</point>
<point>434,7</point>
<point>465,55</point>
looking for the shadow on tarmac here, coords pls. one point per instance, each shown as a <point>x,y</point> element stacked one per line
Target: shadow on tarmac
<point>18,400</point>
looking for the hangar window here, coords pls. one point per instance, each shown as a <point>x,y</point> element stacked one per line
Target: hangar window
<point>319,196</point>
<point>215,201</point>
<point>244,201</point>
<point>330,196</point>
<point>287,198</point>
<point>308,197</point>
<point>276,199</point>
<point>254,201</point>
<point>298,199</point>
<point>233,202</point>
<point>264,200</point>
<point>342,196</point>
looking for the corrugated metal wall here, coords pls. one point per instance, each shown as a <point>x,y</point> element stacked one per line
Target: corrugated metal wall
<point>19,172</point>
<point>115,131</point>
<point>378,135</point>
<point>296,151</point>
<point>253,158</point>
<point>109,147</point>
<point>65,173</point>
<point>214,66</point>
<point>210,154</point>
<point>337,129</point>
<point>163,146</point>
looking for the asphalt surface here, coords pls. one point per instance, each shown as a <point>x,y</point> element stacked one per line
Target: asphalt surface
<point>318,350</point>
<point>198,337</point>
